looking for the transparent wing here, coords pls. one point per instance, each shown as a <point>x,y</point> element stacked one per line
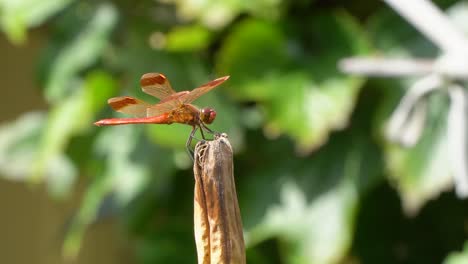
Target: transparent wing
<point>129,105</point>
<point>167,104</point>
<point>156,84</point>
<point>197,92</point>
<point>161,108</point>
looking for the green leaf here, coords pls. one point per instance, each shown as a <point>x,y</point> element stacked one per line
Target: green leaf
<point>422,172</point>
<point>253,49</point>
<point>311,110</point>
<point>393,35</point>
<point>313,217</point>
<point>72,116</point>
<point>458,257</point>
<point>174,135</point>
<point>99,86</point>
<point>307,237</point>
<point>18,143</point>
<point>19,147</point>
<point>188,38</point>
<point>85,49</point>
<point>17,15</point>
<point>301,92</point>
<point>217,14</point>
<point>130,167</point>
<point>213,14</point>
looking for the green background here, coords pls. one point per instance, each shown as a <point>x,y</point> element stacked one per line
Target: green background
<point>317,181</point>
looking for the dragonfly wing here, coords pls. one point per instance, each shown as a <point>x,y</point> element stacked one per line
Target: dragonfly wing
<point>197,92</point>
<point>129,105</point>
<point>161,108</point>
<point>156,84</point>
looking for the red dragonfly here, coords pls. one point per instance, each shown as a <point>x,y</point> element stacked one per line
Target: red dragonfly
<point>174,107</point>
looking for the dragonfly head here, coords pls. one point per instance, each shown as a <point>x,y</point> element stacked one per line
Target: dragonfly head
<point>207,115</point>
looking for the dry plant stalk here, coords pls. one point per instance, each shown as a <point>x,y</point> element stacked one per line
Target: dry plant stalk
<point>218,225</point>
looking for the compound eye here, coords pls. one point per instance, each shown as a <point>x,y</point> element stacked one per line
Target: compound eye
<point>208,115</point>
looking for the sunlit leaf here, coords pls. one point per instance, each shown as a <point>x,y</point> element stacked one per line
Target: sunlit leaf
<point>84,50</point>
<point>119,165</point>
<point>213,14</point>
<point>19,143</point>
<point>174,135</point>
<point>16,16</point>
<point>99,86</point>
<point>70,117</point>
<point>422,172</point>
<point>307,237</point>
<point>130,166</point>
<point>307,102</point>
<point>458,257</point>
<point>253,49</point>
<point>218,14</point>
<point>188,38</point>
<point>318,197</point>
<point>310,112</point>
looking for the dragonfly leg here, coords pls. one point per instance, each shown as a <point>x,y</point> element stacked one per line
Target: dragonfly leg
<point>202,125</point>
<point>201,132</point>
<point>207,129</point>
<point>189,142</point>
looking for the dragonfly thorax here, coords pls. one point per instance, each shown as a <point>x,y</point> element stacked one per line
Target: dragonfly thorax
<point>207,115</point>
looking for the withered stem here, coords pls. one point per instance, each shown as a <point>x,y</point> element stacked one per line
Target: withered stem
<point>217,221</point>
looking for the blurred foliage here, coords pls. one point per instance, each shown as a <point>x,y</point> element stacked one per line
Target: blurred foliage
<point>312,167</point>
<point>458,258</point>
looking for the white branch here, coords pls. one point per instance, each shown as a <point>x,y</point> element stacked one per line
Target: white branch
<point>431,22</point>
<point>386,67</point>
<point>457,139</point>
<point>407,121</point>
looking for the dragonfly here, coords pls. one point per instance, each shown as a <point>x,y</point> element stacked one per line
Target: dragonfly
<point>173,107</point>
